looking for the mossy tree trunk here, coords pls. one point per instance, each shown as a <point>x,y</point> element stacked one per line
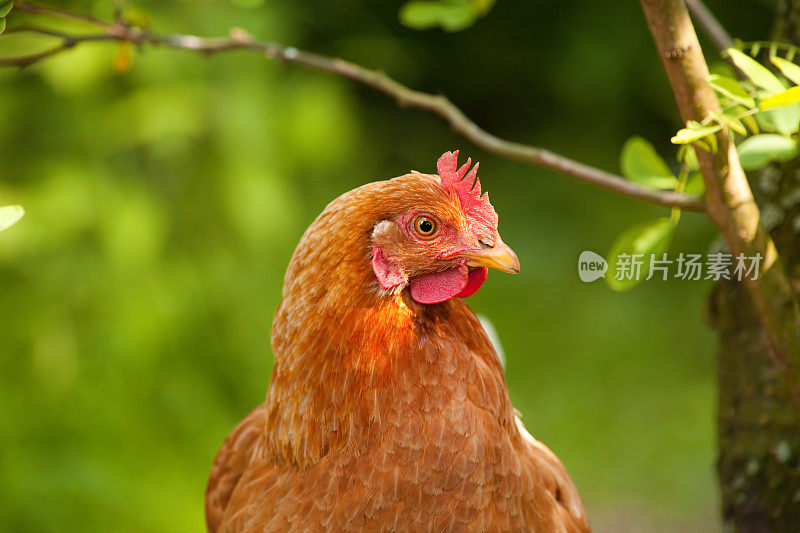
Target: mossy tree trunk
<point>757,415</point>
<point>757,418</point>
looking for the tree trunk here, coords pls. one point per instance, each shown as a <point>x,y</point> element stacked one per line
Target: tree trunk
<point>757,420</point>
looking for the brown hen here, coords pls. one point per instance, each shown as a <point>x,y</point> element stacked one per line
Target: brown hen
<point>387,408</point>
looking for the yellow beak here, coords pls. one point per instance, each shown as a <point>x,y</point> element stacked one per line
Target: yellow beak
<point>499,257</point>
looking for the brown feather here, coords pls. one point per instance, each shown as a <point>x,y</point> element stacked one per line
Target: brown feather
<point>382,414</point>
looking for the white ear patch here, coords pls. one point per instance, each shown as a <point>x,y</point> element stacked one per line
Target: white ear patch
<point>381,230</point>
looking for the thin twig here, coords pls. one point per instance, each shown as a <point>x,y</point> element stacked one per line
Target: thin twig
<point>404,96</point>
<point>710,24</point>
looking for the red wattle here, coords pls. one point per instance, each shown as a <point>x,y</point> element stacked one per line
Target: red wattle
<point>439,286</point>
<point>474,281</point>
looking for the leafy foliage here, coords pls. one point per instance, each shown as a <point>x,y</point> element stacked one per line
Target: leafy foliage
<point>759,150</point>
<point>761,111</point>
<point>731,89</point>
<point>789,96</point>
<point>694,132</point>
<point>759,101</point>
<point>757,73</point>
<point>789,69</point>
<point>450,15</point>
<point>641,164</point>
<point>643,240</point>
<point>5,9</point>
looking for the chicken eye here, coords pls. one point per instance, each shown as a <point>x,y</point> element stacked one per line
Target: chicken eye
<point>425,226</point>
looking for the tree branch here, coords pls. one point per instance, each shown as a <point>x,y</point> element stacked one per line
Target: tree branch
<point>404,96</point>
<point>729,200</point>
<point>710,24</point>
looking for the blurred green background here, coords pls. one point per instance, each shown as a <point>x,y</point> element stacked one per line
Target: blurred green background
<point>163,205</point>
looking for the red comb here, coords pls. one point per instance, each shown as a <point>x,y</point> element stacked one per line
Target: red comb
<point>468,189</point>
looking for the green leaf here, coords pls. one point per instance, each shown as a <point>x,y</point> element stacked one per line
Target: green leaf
<point>789,69</point>
<point>450,15</point>
<point>693,133</point>
<point>789,96</point>
<point>646,238</point>
<point>751,122</point>
<point>785,120</point>
<point>757,73</point>
<point>695,184</point>
<point>10,215</point>
<point>733,123</point>
<point>758,150</point>
<point>2,24</point>
<point>773,49</point>
<point>5,7</point>
<point>688,157</point>
<point>641,164</point>
<point>731,88</point>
